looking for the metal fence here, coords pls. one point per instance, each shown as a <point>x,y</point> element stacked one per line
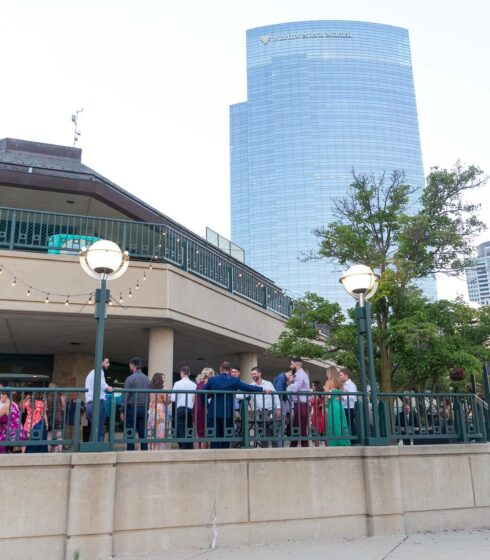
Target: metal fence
<point>29,230</point>
<point>42,419</point>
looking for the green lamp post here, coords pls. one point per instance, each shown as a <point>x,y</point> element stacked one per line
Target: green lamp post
<point>361,283</point>
<point>104,261</point>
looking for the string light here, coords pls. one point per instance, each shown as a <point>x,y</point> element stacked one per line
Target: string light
<point>90,300</point>
<point>67,300</point>
<point>1,268</point>
<point>110,302</point>
<point>137,285</point>
<point>120,297</point>
<point>14,281</point>
<point>47,299</point>
<point>29,291</point>
<point>151,266</point>
<point>144,275</point>
<point>130,293</point>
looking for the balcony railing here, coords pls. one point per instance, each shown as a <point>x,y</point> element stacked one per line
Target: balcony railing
<point>38,419</point>
<point>29,230</point>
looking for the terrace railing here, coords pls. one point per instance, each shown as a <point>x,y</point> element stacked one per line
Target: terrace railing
<point>29,230</point>
<point>45,419</point>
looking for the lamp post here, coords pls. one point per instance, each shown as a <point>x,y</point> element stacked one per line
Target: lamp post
<point>104,261</point>
<point>361,283</point>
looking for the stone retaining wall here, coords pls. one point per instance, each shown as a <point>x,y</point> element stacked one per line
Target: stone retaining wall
<point>94,506</point>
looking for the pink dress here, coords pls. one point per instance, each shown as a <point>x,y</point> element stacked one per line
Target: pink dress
<point>10,426</point>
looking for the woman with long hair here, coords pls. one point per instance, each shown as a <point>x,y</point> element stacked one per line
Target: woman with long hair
<point>199,411</point>
<point>10,421</point>
<point>157,412</point>
<point>318,412</point>
<point>337,423</point>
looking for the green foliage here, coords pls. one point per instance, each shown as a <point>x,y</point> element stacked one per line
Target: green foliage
<point>375,225</point>
<point>434,337</point>
<point>316,330</point>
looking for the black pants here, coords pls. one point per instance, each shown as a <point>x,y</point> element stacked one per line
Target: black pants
<point>219,431</point>
<point>136,420</point>
<point>350,415</point>
<point>183,422</point>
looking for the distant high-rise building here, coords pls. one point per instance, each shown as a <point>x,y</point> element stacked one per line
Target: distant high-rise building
<point>478,276</point>
<point>324,98</point>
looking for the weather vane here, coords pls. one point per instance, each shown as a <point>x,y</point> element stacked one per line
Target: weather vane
<point>74,120</point>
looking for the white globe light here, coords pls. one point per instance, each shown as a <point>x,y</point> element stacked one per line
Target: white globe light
<point>104,257</point>
<point>359,280</point>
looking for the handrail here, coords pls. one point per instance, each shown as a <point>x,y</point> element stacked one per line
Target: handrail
<point>35,230</point>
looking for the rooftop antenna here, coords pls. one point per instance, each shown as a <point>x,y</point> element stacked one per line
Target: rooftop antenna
<point>74,120</point>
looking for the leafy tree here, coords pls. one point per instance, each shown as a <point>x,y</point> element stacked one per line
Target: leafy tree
<point>375,225</point>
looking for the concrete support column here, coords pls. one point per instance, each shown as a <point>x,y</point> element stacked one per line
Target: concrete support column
<point>383,484</point>
<point>248,360</point>
<point>90,520</point>
<point>161,353</point>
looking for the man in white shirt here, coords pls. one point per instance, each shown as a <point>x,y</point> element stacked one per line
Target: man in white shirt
<point>184,402</point>
<point>267,407</point>
<point>89,396</point>
<point>349,401</point>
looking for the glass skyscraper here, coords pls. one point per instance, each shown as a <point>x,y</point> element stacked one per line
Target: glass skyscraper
<point>324,98</point>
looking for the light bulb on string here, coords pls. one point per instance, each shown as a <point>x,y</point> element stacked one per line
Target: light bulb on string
<point>130,293</point>
<point>29,291</point>
<point>137,285</point>
<point>110,302</point>
<point>1,268</point>
<point>14,282</point>
<point>144,275</point>
<point>67,300</point>
<point>120,298</point>
<point>90,300</point>
<point>47,299</point>
<point>151,266</point>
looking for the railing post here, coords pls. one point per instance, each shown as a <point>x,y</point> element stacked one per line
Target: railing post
<point>185,255</point>
<point>112,423</point>
<point>264,304</point>
<point>230,279</point>
<point>13,223</point>
<point>244,423</point>
<point>76,428</point>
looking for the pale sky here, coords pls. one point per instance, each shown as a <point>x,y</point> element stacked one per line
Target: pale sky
<point>156,78</point>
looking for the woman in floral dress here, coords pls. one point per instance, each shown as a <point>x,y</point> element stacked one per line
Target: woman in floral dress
<point>157,412</point>
<point>10,422</point>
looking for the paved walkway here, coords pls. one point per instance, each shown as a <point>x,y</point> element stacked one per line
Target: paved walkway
<point>452,545</point>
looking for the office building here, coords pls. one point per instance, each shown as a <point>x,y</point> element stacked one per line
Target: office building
<point>323,98</point>
<point>478,276</point>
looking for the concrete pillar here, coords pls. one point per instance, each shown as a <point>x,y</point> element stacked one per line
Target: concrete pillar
<point>90,520</point>
<point>70,370</point>
<point>161,353</point>
<point>248,360</point>
<point>383,484</point>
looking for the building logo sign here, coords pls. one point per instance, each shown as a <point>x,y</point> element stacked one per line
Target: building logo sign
<point>266,39</point>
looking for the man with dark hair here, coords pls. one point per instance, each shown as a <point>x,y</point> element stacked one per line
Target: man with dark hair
<point>184,403</point>
<point>299,382</point>
<point>135,404</point>
<point>89,396</point>
<point>267,408</point>
<point>220,407</point>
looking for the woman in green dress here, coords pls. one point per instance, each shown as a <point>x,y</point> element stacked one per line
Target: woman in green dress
<point>337,425</point>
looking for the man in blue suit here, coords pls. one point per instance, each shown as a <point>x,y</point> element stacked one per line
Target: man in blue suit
<point>220,407</point>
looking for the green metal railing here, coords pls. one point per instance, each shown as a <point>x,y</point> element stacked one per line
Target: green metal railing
<point>29,230</point>
<point>244,420</point>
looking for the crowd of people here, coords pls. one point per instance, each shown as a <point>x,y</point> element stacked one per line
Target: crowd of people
<point>200,414</point>
<point>217,410</point>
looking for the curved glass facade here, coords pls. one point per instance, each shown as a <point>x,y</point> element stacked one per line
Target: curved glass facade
<point>324,97</point>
